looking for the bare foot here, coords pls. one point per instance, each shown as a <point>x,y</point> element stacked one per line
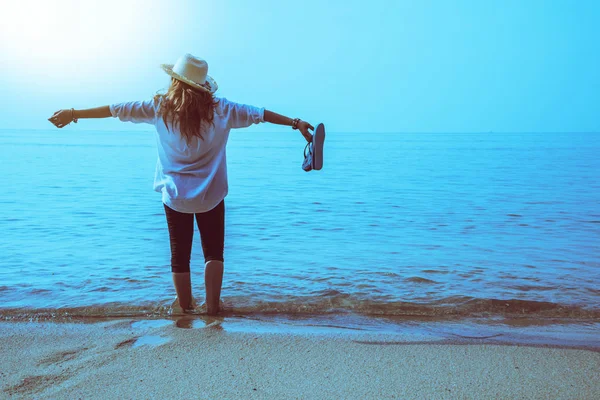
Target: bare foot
<point>212,310</point>
<point>177,309</point>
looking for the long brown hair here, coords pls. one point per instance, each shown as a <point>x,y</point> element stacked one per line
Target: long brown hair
<point>187,105</point>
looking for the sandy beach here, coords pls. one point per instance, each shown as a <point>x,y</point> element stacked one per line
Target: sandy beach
<point>143,359</point>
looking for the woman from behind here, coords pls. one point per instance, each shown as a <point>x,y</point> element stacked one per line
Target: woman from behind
<point>192,130</point>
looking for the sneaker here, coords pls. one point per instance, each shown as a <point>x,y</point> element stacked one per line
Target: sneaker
<point>313,159</point>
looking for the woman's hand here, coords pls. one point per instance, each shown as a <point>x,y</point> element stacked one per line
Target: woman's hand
<point>61,118</point>
<point>303,127</point>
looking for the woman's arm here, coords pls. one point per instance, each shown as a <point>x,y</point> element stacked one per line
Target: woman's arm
<point>98,112</point>
<point>63,118</point>
<point>279,119</point>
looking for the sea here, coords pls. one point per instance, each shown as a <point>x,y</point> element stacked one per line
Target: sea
<point>395,227</point>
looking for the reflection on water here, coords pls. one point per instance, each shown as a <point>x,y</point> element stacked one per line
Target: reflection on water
<point>149,340</point>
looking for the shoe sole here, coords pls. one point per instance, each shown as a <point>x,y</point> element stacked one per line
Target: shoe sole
<point>318,142</point>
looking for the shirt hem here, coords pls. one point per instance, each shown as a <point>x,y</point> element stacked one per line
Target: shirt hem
<point>184,206</point>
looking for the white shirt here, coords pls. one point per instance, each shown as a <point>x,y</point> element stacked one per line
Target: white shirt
<point>191,178</point>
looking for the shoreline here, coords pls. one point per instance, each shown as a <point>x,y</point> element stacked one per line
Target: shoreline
<point>204,357</point>
<point>553,332</point>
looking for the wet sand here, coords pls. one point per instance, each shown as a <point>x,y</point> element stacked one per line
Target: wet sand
<point>160,359</point>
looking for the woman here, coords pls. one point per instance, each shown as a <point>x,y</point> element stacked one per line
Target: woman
<point>192,128</point>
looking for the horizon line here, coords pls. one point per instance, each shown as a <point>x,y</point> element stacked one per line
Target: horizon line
<point>286,132</point>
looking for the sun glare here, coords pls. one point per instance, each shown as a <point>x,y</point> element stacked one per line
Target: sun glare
<point>67,35</point>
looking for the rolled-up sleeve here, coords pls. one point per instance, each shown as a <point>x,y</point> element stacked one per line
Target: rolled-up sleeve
<point>243,115</point>
<point>135,111</point>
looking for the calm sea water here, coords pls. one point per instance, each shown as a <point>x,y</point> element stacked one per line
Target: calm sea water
<point>394,224</point>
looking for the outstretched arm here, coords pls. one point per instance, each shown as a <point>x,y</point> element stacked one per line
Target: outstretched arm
<point>63,118</point>
<point>279,119</point>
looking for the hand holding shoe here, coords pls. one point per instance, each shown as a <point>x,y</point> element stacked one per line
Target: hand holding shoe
<point>303,127</point>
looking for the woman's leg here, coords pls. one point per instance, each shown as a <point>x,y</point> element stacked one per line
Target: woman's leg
<point>183,286</point>
<point>211,225</point>
<point>213,280</point>
<point>181,234</point>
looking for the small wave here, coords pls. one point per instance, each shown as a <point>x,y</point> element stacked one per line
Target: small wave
<point>103,289</point>
<point>434,271</point>
<point>327,302</point>
<point>389,274</point>
<point>40,291</point>
<point>418,279</point>
<point>133,280</point>
<point>528,288</point>
<point>543,202</point>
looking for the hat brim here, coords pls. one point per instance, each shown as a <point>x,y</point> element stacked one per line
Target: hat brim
<point>209,86</point>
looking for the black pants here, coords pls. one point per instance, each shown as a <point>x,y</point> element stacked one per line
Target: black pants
<point>211,225</point>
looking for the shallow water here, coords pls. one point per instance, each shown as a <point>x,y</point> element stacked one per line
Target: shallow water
<point>395,224</point>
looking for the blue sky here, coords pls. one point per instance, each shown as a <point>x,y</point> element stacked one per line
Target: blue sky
<point>377,66</point>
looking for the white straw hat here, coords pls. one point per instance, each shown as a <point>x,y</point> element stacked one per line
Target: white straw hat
<point>193,71</point>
